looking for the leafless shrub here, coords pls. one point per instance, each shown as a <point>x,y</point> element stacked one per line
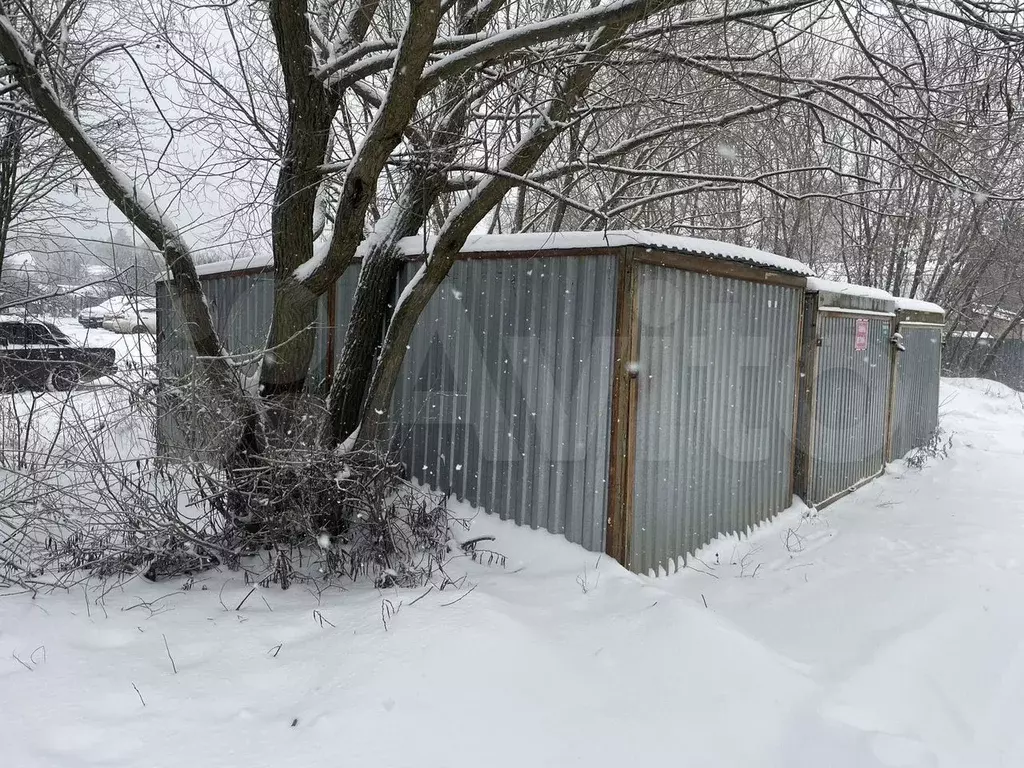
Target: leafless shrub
<point>938,446</point>
<point>351,514</point>
<point>82,495</point>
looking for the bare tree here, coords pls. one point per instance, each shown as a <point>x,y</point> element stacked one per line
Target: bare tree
<point>381,120</point>
<point>39,174</point>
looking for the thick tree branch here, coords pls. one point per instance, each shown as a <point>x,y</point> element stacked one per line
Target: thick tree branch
<point>359,186</point>
<point>465,217</point>
<point>556,28</point>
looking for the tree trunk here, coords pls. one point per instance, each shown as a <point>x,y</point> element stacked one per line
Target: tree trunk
<point>147,217</point>
<point>984,326</point>
<point>311,109</point>
<point>362,340</point>
<point>927,239</point>
<point>380,267</point>
<point>10,157</point>
<point>377,276</point>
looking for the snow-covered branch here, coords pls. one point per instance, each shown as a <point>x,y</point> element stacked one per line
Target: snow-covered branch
<point>468,213</point>
<point>359,184</point>
<point>551,29</point>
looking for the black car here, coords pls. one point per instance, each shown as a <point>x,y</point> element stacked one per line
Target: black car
<point>34,354</point>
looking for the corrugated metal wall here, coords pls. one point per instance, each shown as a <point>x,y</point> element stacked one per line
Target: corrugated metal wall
<point>241,308</point>
<point>716,398</point>
<point>851,396</point>
<point>505,396</point>
<point>915,413</point>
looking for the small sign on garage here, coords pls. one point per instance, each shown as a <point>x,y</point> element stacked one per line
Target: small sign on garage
<point>863,334</point>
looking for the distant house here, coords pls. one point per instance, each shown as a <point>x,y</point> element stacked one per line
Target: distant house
<point>23,264</point>
<point>989,322</point>
<point>97,272</point>
<point>981,336</point>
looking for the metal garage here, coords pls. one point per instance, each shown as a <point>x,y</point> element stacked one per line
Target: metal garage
<point>846,373</point>
<point>917,361</point>
<point>638,393</point>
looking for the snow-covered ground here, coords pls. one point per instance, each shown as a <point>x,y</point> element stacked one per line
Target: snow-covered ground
<point>887,630</point>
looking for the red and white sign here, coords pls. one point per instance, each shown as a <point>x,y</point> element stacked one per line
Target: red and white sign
<point>863,334</point>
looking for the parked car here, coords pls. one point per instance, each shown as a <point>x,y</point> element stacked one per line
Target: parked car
<point>93,317</point>
<point>34,354</point>
<point>136,318</point>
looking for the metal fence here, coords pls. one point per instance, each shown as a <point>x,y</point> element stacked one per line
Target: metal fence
<point>915,406</point>
<point>962,357</point>
<point>717,370</point>
<point>850,402</point>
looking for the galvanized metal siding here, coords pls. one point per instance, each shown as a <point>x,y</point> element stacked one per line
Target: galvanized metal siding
<point>716,397</point>
<point>850,405</point>
<point>505,395</point>
<point>916,404</point>
<point>241,307</point>
<point>344,293</point>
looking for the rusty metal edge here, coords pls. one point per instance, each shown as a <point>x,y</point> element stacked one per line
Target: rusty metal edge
<point>805,393</point>
<point>717,267</point>
<point>632,412</point>
<point>616,533</point>
<point>812,414</point>
<point>855,487</point>
<point>795,435</point>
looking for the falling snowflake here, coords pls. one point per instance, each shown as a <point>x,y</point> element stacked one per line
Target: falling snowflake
<point>727,151</point>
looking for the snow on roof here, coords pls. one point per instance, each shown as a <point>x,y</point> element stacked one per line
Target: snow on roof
<point>21,261</point>
<point>535,242</point>
<point>996,312</point>
<point>816,284</point>
<point>241,264</point>
<point>916,305</point>
<point>973,335</point>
